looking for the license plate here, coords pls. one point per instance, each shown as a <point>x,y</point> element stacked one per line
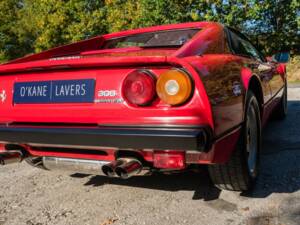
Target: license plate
<point>56,91</point>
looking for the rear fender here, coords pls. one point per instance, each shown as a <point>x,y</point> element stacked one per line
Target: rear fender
<point>203,99</point>
<point>251,81</point>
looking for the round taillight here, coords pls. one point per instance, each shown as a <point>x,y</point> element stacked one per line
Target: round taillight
<point>139,87</point>
<point>174,87</point>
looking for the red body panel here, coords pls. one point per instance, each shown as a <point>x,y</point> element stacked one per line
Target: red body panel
<point>220,80</point>
<point>99,113</point>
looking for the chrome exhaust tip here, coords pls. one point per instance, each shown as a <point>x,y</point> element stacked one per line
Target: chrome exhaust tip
<point>11,156</point>
<point>109,169</point>
<point>129,168</point>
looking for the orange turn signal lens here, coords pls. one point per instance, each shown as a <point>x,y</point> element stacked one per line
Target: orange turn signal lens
<point>174,87</point>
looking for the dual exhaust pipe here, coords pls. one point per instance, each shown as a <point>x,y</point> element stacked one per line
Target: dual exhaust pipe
<point>123,168</point>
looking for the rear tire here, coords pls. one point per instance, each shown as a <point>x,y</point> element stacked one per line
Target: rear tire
<point>240,172</point>
<point>281,110</point>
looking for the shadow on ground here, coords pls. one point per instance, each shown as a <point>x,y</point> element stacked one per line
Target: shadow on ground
<point>280,156</point>
<point>198,182</point>
<point>280,167</point>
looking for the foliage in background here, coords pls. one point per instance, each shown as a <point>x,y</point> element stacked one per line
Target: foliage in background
<point>276,24</point>
<point>49,23</point>
<point>9,43</point>
<point>293,69</point>
<point>28,26</point>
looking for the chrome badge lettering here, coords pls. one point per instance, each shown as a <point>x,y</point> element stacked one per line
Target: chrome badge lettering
<point>107,93</point>
<point>3,96</point>
<point>236,88</point>
<point>108,96</point>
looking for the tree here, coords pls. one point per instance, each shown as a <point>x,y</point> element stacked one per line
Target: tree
<point>51,23</point>
<point>9,42</point>
<point>28,26</point>
<point>261,20</point>
<point>275,24</point>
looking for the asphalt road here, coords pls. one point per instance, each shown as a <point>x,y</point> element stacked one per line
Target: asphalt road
<point>30,196</point>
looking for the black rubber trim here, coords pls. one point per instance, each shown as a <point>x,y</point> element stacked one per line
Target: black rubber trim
<point>225,133</point>
<point>93,125</point>
<point>132,138</point>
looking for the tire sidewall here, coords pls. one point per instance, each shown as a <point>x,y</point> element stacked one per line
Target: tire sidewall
<point>251,101</point>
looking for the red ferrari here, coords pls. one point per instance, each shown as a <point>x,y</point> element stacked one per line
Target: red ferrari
<point>163,98</point>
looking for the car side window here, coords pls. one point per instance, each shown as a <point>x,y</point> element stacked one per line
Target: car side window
<point>251,50</point>
<point>237,46</point>
<point>243,47</point>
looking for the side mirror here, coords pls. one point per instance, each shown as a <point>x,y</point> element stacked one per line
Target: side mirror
<point>281,57</point>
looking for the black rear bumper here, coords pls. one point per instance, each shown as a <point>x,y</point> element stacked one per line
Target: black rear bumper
<point>159,138</point>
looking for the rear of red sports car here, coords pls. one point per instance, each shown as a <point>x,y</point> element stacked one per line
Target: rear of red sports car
<point>124,104</point>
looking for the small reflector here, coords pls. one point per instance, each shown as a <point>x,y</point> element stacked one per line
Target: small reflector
<point>169,160</point>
